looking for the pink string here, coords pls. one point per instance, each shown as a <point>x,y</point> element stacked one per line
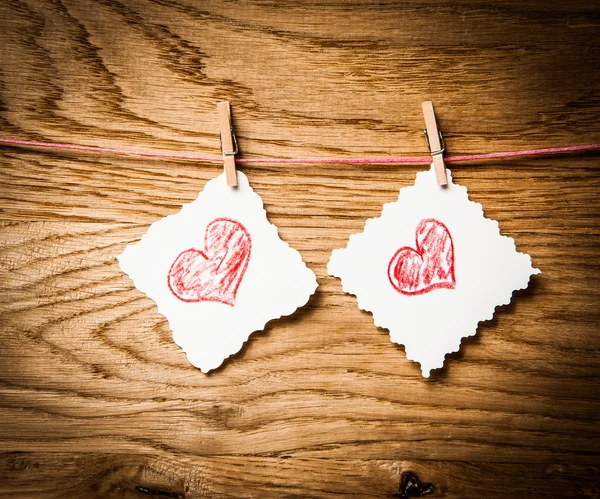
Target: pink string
<point>377,161</point>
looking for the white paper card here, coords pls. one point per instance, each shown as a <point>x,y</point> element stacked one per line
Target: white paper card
<point>218,271</point>
<point>430,268</point>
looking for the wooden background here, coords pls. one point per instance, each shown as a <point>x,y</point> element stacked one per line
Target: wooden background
<point>96,399</point>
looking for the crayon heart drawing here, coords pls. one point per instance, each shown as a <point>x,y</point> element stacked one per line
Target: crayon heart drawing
<point>430,266</point>
<point>216,273</point>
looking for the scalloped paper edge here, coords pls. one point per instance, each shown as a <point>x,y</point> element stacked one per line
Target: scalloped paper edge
<point>199,327</point>
<point>374,293</point>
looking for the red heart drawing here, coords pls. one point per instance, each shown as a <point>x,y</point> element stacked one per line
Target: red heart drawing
<point>429,266</point>
<point>214,274</point>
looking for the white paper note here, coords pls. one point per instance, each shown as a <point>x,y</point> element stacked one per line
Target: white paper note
<point>430,268</point>
<point>218,271</point>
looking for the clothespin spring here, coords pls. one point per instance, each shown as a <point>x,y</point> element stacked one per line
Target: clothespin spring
<point>235,146</point>
<point>442,144</point>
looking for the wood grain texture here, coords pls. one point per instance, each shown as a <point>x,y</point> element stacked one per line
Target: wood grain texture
<point>95,398</point>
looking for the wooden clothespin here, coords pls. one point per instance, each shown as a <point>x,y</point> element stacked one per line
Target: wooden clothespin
<point>435,142</point>
<point>229,146</point>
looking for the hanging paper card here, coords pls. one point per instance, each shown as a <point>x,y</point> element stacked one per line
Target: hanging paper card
<point>430,268</point>
<point>218,271</point>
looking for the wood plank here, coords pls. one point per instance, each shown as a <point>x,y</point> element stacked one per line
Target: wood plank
<point>63,188</point>
<point>108,358</point>
<point>178,476</point>
<point>95,398</point>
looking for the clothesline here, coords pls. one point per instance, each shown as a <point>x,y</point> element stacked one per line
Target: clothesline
<point>333,160</point>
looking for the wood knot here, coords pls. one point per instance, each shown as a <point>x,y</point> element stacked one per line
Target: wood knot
<point>410,486</point>
<point>155,492</point>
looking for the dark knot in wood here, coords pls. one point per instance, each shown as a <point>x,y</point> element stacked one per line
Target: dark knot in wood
<point>161,493</point>
<point>410,486</point>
